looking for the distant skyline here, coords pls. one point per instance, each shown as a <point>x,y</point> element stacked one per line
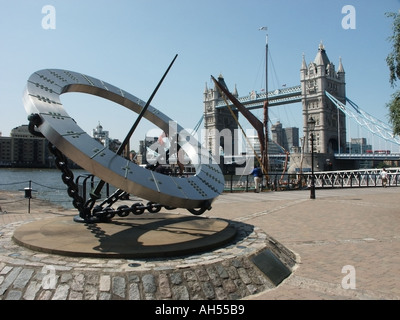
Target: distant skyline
<point>130,43</point>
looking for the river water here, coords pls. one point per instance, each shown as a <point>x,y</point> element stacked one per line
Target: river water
<point>46,184</point>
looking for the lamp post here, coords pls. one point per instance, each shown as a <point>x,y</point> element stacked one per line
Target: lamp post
<point>264,156</point>
<point>311,127</point>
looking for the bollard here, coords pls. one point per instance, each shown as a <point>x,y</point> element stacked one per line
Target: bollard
<point>28,195</point>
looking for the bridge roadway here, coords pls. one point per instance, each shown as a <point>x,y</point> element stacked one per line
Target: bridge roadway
<point>368,156</point>
<point>275,98</point>
<point>341,231</point>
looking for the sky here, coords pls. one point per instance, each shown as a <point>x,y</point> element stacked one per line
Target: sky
<point>130,43</point>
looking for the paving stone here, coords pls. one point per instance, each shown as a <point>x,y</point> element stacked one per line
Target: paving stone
<point>75,295</point>
<point>208,290</point>
<point>232,272</point>
<point>221,271</point>
<point>23,278</point>
<point>149,285</point>
<point>61,292</point>
<point>149,296</point>
<point>6,269</point>
<point>118,286</point>
<point>176,278</point>
<point>90,292</point>
<point>134,292</point>
<point>252,288</point>
<point>189,275</point>
<point>213,274</point>
<point>202,274</point>
<point>105,283</point>
<point>78,282</point>
<point>45,295</point>
<point>133,278</point>
<point>14,295</point>
<point>180,293</point>
<point>220,293</point>
<point>229,286</point>
<point>163,284</point>
<point>242,288</point>
<point>65,277</point>
<point>244,276</point>
<point>195,290</point>
<point>32,290</point>
<point>92,278</point>
<point>104,296</point>
<point>9,279</point>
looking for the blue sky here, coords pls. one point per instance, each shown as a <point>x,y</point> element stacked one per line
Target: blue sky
<point>130,43</point>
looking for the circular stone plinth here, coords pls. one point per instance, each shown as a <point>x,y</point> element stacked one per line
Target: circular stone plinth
<point>147,236</point>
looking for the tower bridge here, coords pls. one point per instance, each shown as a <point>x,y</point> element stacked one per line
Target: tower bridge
<point>322,94</point>
<point>275,98</point>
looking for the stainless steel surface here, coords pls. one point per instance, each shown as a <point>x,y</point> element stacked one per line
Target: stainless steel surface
<point>42,96</point>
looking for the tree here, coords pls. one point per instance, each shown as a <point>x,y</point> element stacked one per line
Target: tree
<point>393,62</point>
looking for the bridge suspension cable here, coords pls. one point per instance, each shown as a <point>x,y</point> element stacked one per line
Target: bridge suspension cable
<point>366,120</point>
<point>196,128</point>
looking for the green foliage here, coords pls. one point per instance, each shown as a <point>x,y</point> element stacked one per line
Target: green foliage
<point>394,112</point>
<point>393,62</point>
<point>393,59</point>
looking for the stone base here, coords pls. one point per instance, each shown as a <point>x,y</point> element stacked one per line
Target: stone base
<point>147,236</point>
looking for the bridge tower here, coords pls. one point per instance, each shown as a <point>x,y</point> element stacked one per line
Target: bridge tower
<point>221,127</point>
<point>330,128</point>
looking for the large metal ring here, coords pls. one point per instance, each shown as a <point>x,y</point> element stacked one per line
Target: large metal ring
<point>42,96</point>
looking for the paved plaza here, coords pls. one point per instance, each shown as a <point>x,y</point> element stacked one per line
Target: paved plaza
<point>345,245</point>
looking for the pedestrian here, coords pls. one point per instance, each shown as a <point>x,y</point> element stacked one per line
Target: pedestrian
<point>384,177</point>
<point>257,174</point>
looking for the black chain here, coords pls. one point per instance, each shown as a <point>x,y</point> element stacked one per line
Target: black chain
<point>99,213</point>
<point>68,179</point>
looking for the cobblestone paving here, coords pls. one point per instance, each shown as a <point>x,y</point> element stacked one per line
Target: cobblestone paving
<point>225,273</point>
<point>357,228</point>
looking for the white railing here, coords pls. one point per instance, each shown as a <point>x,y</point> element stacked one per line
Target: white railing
<point>354,178</point>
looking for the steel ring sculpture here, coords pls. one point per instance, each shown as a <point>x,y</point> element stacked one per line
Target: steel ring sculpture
<point>42,97</point>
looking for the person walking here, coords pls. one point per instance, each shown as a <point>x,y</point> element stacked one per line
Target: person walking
<point>384,177</point>
<point>257,174</point>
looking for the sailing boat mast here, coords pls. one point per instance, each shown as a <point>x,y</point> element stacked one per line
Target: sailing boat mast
<point>264,156</point>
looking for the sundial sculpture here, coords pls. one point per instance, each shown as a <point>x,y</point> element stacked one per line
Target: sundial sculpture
<point>48,118</point>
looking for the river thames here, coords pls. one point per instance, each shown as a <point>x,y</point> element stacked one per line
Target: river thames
<point>46,184</point>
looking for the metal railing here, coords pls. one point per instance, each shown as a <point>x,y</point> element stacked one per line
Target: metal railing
<point>326,179</point>
<point>355,178</point>
<point>277,181</point>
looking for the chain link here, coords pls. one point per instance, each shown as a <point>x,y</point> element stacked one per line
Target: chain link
<point>98,212</point>
<point>68,179</point>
